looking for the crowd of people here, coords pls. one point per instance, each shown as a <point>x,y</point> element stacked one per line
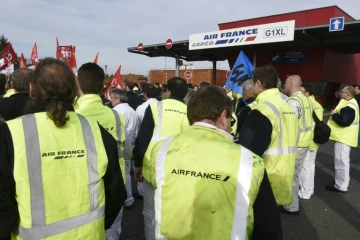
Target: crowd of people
<point>209,163</point>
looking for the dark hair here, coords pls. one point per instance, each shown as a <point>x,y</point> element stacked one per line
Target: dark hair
<point>150,90</point>
<point>204,84</point>
<point>136,85</point>
<point>164,87</point>
<point>308,88</point>
<point>129,83</point>
<point>208,103</point>
<point>157,84</point>
<point>54,84</point>
<point>2,86</point>
<point>177,87</point>
<point>21,79</point>
<point>142,85</point>
<point>190,86</point>
<point>91,78</point>
<point>267,75</point>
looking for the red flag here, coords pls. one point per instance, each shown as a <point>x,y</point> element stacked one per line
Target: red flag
<point>34,56</point>
<point>72,58</point>
<point>96,58</point>
<point>9,54</point>
<point>115,82</point>
<point>22,61</point>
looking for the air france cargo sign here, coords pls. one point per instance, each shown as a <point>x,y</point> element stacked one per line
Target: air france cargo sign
<point>267,33</point>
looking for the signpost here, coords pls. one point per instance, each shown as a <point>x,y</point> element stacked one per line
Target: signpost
<point>140,47</point>
<point>168,43</point>
<point>258,34</point>
<point>188,75</point>
<point>336,24</point>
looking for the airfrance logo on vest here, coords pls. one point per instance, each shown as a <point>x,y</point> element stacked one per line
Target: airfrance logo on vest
<point>65,154</point>
<point>200,174</point>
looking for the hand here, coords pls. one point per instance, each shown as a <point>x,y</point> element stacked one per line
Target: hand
<point>333,112</point>
<point>138,174</point>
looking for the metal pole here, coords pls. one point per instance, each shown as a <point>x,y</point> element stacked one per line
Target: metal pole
<point>254,58</point>
<point>176,66</point>
<point>214,74</point>
<point>165,72</point>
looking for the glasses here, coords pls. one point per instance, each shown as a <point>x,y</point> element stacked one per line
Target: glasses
<point>233,120</point>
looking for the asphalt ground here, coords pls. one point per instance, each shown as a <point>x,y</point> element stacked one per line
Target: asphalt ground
<point>326,215</point>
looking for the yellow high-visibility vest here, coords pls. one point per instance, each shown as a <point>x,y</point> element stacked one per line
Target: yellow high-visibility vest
<point>91,106</point>
<point>200,197</point>
<point>346,135</point>
<point>319,111</point>
<point>281,155</point>
<point>9,92</point>
<point>306,121</point>
<point>59,177</point>
<point>170,118</point>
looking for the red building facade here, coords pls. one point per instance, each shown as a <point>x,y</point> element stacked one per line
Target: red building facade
<point>324,68</point>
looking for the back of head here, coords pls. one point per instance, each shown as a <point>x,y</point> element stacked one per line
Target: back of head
<point>177,87</point>
<point>120,94</point>
<point>21,79</point>
<point>308,88</point>
<point>267,75</point>
<point>207,104</point>
<point>54,84</point>
<point>157,84</point>
<point>351,91</point>
<point>204,84</point>
<point>190,86</point>
<point>91,78</point>
<point>247,85</point>
<point>130,84</point>
<point>150,90</point>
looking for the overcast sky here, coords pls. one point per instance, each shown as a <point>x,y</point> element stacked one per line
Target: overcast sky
<point>111,26</point>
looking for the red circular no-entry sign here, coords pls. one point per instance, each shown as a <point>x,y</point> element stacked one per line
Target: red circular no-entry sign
<point>168,43</point>
<point>140,47</point>
<point>188,74</point>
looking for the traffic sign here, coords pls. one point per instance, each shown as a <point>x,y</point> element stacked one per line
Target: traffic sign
<point>336,24</point>
<point>188,75</point>
<point>228,73</point>
<point>168,43</point>
<point>140,47</point>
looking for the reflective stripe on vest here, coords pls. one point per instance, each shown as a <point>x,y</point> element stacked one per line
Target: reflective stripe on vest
<point>279,150</point>
<point>242,201</point>
<point>357,107</point>
<point>118,132</point>
<point>39,228</point>
<point>156,136</point>
<point>304,128</point>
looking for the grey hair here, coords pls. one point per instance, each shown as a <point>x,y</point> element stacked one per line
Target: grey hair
<point>279,83</point>
<point>247,85</point>
<point>120,94</point>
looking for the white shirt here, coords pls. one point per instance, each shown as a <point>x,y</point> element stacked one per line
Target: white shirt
<point>140,110</point>
<point>284,96</point>
<point>132,124</point>
<point>296,105</point>
<point>202,124</point>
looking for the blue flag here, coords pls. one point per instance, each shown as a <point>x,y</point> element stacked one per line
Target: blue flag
<point>240,72</point>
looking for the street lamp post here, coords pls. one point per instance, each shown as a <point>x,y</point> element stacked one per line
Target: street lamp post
<point>105,69</point>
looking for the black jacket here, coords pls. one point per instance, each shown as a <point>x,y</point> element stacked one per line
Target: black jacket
<point>345,117</point>
<point>115,192</point>
<point>134,100</point>
<point>13,106</point>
